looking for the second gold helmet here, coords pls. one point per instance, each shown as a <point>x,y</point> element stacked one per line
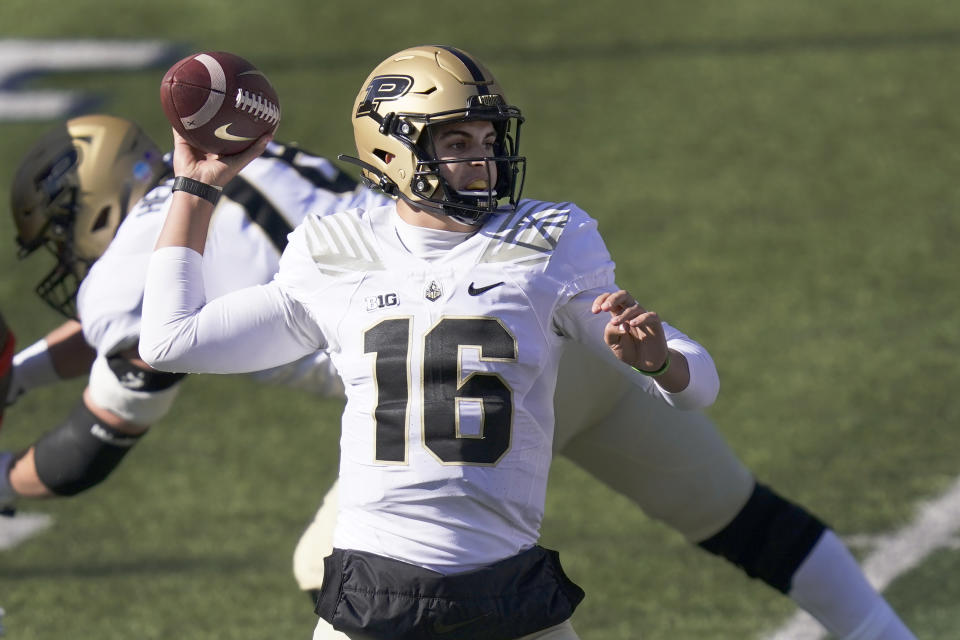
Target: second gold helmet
<point>73,189</point>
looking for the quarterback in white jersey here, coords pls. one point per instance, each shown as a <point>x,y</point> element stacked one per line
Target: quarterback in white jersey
<point>434,377</point>
<point>447,432</point>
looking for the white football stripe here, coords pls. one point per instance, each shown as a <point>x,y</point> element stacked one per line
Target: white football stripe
<point>22,58</point>
<point>40,104</point>
<point>218,82</point>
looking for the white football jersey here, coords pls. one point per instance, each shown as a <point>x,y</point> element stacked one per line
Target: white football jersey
<point>449,367</point>
<point>249,231</point>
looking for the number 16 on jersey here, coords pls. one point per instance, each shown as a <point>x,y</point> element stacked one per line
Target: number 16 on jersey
<point>444,389</point>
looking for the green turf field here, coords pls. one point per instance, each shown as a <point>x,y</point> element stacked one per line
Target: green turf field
<point>778,179</point>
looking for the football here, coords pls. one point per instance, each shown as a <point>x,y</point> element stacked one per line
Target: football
<point>219,102</point>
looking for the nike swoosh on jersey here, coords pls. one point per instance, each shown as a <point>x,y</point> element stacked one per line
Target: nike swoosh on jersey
<point>440,628</point>
<point>223,134</point>
<point>475,291</point>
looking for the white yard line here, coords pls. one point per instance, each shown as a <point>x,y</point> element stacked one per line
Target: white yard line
<point>935,527</point>
<point>24,58</point>
<point>18,528</point>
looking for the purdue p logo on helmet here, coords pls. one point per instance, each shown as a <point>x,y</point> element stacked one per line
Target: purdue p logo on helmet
<point>399,101</point>
<point>383,89</point>
<point>72,190</point>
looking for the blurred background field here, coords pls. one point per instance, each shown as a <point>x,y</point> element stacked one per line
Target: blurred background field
<point>777,179</point>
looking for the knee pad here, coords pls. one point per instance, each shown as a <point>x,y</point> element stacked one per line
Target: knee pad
<point>140,396</point>
<point>769,538</point>
<point>80,453</point>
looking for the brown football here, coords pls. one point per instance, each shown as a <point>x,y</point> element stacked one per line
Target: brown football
<point>219,102</point>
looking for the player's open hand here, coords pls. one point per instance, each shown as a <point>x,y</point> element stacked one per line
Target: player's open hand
<point>212,168</point>
<point>634,334</point>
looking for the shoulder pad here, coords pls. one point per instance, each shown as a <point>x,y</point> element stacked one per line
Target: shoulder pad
<point>341,242</point>
<point>530,233</point>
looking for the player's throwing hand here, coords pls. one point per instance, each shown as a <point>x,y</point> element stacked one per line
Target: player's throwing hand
<point>211,168</point>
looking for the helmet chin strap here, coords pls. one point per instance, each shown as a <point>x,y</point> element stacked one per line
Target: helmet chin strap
<point>473,217</point>
<point>387,186</point>
<point>469,218</point>
<point>476,221</point>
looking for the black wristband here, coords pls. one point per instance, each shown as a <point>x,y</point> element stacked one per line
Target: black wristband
<point>206,191</point>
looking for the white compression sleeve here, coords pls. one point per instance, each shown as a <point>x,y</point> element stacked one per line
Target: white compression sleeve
<point>32,368</point>
<point>247,330</point>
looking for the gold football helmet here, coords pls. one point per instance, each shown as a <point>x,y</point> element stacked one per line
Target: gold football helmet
<point>406,94</point>
<point>72,191</point>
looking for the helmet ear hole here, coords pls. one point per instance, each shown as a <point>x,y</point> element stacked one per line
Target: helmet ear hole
<point>101,220</point>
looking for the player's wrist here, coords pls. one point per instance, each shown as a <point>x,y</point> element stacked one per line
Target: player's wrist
<point>198,188</point>
<point>655,372</point>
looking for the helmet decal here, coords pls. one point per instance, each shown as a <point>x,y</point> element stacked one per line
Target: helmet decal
<point>383,89</point>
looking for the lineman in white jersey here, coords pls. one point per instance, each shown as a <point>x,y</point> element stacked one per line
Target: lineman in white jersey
<point>72,194</point>
<point>446,328</point>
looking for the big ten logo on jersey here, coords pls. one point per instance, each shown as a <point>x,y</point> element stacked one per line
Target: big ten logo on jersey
<point>382,301</point>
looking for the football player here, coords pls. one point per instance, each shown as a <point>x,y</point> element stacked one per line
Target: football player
<point>447,313</point>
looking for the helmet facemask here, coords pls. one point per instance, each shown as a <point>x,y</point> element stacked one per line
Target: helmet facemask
<point>60,286</point>
<point>469,206</point>
<point>433,192</point>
